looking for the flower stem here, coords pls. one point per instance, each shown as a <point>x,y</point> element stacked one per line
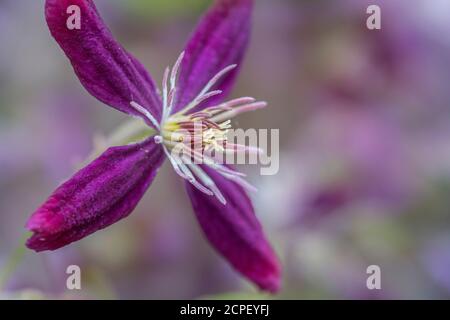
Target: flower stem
<point>132,131</point>
<point>13,261</point>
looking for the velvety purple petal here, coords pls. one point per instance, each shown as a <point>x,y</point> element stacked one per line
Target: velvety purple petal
<point>105,69</point>
<point>235,232</point>
<point>104,192</point>
<point>219,41</point>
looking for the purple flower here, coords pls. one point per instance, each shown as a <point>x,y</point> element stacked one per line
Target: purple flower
<point>108,189</point>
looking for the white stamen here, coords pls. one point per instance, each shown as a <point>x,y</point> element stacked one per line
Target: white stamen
<point>200,187</point>
<point>183,171</point>
<point>184,168</point>
<point>146,113</point>
<point>234,112</point>
<point>238,101</point>
<point>192,179</point>
<point>238,180</point>
<point>217,77</point>
<point>175,164</point>
<point>200,99</point>
<point>165,87</point>
<point>238,148</point>
<point>226,170</point>
<point>176,68</point>
<point>169,95</point>
<point>170,101</point>
<point>208,182</point>
<point>206,96</point>
<point>208,86</point>
<point>225,125</point>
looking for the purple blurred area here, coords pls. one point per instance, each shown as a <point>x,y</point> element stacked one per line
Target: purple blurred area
<point>364,120</point>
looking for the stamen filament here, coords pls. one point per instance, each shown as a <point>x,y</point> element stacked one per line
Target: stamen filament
<point>146,113</point>
<point>237,102</point>
<point>208,182</point>
<point>176,68</point>
<point>208,86</point>
<point>217,77</point>
<point>236,111</point>
<point>175,164</point>
<point>238,148</point>
<point>165,88</point>
<point>243,183</point>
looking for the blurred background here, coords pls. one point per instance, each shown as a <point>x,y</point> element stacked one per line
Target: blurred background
<point>365,153</point>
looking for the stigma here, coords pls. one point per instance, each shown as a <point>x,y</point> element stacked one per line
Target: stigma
<point>191,136</point>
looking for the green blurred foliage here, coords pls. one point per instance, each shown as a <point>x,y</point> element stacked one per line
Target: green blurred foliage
<point>163,9</point>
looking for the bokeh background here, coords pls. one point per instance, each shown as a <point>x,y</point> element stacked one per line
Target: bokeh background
<point>364,179</point>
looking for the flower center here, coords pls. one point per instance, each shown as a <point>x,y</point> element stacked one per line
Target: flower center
<point>189,136</point>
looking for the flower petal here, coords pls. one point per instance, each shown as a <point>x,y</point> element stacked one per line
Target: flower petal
<point>104,68</point>
<point>104,192</point>
<point>219,41</point>
<point>235,232</point>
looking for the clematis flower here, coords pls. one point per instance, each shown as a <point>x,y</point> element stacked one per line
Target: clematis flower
<point>193,91</point>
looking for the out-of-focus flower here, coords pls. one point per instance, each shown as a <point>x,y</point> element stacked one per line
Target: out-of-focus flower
<point>109,188</point>
<point>27,294</point>
<point>353,157</point>
<point>436,259</point>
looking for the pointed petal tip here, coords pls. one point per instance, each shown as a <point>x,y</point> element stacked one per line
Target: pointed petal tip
<point>271,285</point>
<point>102,193</point>
<point>234,231</point>
<point>34,243</point>
<point>44,221</point>
<point>271,281</point>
